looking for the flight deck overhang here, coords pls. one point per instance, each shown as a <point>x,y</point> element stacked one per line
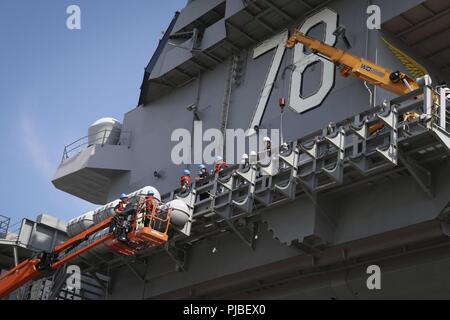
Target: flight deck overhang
<point>224,28</point>
<point>208,32</point>
<point>88,174</point>
<point>425,29</point>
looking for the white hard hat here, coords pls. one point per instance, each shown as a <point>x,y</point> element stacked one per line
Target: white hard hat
<point>244,156</point>
<point>253,153</point>
<point>267,139</point>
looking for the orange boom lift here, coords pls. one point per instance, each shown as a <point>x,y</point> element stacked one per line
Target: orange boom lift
<point>147,230</point>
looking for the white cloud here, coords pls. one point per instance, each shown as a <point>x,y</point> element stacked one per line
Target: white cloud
<point>35,148</point>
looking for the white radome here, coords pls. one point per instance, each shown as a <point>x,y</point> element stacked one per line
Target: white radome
<point>104,131</point>
<point>180,213</point>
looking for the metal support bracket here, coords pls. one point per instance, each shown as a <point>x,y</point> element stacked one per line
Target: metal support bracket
<point>390,154</point>
<point>336,173</point>
<point>421,175</point>
<point>339,142</point>
<point>179,256</point>
<point>135,272</point>
<point>289,189</point>
<point>311,151</point>
<point>308,180</point>
<point>362,131</point>
<point>443,107</point>
<point>428,103</point>
<point>249,176</point>
<point>292,159</point>
<point>264,197</point>
<point>228,184</point>
<point>248,233</point>
<point>442,135</point>
<point>100,282</point>
<point>390,120</point>
<point>272,168</point>
<point>246,205</point>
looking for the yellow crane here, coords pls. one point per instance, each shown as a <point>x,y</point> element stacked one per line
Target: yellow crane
<point>393,81</point>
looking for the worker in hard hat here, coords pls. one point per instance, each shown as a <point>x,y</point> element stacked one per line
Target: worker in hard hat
<point>121,206</point>
<point>202,179</point>
<point>245,160</point>
<point>220,165</point>
<point>150,200</point>
<point>120,225</point>
<point>202,173</point>
<point>186,180</point>
<point>151,203</point>
<point>268,146</point>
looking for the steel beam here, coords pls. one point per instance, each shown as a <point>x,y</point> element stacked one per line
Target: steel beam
<point>421,175</point>
<point>423,23</point>
<point>135,272</point>
<point>247,233</point>
<point>246,35</point>
<point>278,10</point>
<point>304,3</point>
<point>179,256</point>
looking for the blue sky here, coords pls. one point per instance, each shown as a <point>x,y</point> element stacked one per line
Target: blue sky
<point>55,82</point>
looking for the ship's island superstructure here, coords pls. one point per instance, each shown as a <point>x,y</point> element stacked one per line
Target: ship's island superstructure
<point>361,180</point>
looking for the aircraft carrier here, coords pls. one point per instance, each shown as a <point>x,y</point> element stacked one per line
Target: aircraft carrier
<point>341,198</point>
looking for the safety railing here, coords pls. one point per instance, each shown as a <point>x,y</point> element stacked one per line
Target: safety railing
<point>14,230</point>
<point>441,102</point>
<point>369,143</point>
<point>98,138</point>
<point>4,226</point>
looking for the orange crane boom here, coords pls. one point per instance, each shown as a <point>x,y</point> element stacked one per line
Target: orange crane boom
<point>396,82</point>
<point>33,268</point>
<point>20,275</point>
<point>139,238</point>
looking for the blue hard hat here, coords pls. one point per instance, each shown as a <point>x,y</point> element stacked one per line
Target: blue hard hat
<point>187,172</point>
<point>123,196</point>
<point>202,166</point>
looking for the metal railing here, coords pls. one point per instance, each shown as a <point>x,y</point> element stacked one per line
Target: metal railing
<point>102,137</point>
<point>368,155</point>
<point>14,230</point>
<point>441,112</point>
<point>4,226</point>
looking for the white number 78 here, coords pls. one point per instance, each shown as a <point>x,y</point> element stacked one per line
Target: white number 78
<point>301,61</point>
<point>278,41</point>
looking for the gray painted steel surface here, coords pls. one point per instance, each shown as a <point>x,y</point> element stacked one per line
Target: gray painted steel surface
<point>323,239</point>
